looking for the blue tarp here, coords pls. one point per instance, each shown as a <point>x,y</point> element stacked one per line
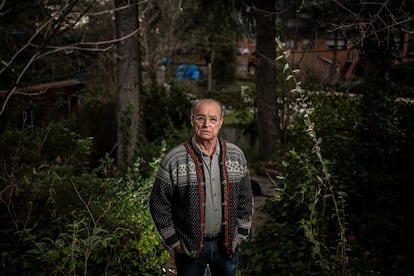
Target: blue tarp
<point>187,72</point>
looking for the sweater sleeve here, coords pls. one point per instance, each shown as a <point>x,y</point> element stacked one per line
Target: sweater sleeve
<point>160,207</point>
<point>245,207</point>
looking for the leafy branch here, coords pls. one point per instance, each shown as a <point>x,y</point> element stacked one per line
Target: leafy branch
<point>325,188</point>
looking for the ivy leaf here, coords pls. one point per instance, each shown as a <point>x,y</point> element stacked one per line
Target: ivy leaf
<point>286,67</point>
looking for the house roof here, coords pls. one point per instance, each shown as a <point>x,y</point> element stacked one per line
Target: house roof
<point>48,90</point>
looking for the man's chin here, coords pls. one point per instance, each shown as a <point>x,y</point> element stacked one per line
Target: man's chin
<point>205,137</point>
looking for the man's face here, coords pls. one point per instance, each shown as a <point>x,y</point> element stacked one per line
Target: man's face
<point>206,120</point>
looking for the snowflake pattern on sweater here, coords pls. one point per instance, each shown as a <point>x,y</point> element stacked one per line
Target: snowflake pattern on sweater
<point>177,199</point>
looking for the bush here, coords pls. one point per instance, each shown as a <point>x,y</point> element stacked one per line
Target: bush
<point>166,117</point>
<point>59,216</point>
<point>369,156</point>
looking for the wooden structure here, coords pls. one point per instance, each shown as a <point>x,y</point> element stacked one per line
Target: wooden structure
<point>51,92</point>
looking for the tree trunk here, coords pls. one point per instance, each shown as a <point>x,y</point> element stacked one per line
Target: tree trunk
<point>128,67</point>
<point>267,115</point>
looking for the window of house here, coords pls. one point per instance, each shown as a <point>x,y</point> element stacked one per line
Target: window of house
<point>330,43</point>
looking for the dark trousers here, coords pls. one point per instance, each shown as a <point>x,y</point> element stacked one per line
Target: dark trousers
<point>210,254</point>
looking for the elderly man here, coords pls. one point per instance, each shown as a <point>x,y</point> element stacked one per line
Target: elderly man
<point>201,201</point>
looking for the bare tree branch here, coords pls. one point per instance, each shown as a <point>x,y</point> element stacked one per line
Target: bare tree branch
<point>57,23</point>
<point>11,92</point>
<point>385,18</point>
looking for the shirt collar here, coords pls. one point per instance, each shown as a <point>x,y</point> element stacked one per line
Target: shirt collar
<point>198,150</point>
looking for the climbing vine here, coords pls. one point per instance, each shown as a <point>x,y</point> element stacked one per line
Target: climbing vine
<point>306,234</point>
<point>324,189</point>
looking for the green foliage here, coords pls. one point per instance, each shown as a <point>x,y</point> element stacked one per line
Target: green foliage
<point>335,117</point>
<point>166,113</point>
<point>113,232</point>
<point>224,66</point>
<point>212,28</point>
<point>356,87</point>
<point>369,155</point>
<point>97,118</point>
<point>299,239</point>
<point>305,201</point>
<point>239,101</point>
<point>62,217</point>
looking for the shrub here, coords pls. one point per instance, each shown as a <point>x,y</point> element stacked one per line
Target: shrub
<point>59,216</point>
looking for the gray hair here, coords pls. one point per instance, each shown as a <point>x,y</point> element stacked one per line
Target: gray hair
<point>196,103</point>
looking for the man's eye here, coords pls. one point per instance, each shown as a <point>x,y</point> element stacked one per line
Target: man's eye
<point>202,119</point>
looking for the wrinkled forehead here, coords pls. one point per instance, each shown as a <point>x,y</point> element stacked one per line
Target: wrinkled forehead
<point>207,107</point>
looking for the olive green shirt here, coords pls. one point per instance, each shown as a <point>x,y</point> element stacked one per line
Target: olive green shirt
<point>211,171</point>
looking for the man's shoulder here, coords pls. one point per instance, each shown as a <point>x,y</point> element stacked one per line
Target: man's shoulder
<point>232,147</point>
<point>176,149</point>
<point>174,154</point>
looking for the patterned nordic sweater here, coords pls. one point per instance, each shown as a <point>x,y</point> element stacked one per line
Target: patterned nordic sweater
<point>177,200</point>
